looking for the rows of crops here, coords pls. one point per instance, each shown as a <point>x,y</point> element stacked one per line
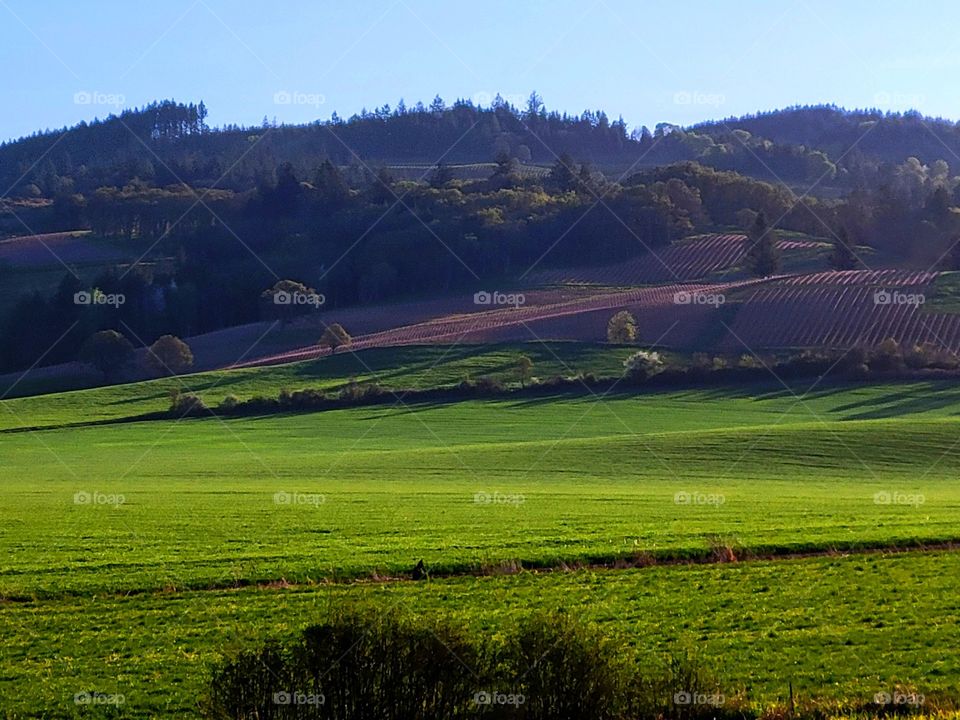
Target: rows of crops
<point>848,309</point>
<point>677,305</point>
<point>871,278</point>
<point>685,261</point>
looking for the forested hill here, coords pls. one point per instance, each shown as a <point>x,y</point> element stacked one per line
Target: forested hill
<point>169,142</point>
<point>850,136</point>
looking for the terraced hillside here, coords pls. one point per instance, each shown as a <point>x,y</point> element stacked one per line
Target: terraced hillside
<point>685,261</point>
<point>841,309</point>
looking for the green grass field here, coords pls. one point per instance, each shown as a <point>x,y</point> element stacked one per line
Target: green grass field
<point>127,548</point>
<point>837,628</point>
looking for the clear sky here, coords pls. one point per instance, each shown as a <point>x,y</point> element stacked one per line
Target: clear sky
<point>298,60</point>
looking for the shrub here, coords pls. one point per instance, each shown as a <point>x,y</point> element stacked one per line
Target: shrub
<point>229,403</point>
<point>930,355</point>
<point>524,369</point>
<point>564,670</point>
<point>887,356</point>
<point>683,690</point>
<point>360,664</point>
<point>183,404</point>
<point>643,365</point>
<point>357,665</point>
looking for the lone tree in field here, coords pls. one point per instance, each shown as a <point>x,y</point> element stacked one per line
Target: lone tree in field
<point>622,328</point>
<point>334,336</point>
<point>169,354</point>
<point>108,351</point>
<point>524,369</point>
<point>842,257</point>
<point>763,257</point>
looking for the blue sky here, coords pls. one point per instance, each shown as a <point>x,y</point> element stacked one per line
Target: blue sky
<point>647,61</point>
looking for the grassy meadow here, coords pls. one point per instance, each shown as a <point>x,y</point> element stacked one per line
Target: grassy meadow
<point>135,554</point>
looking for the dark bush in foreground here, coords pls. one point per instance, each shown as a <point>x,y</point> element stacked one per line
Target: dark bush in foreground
<point>562,670</point>
<point>360,665</point>
<point>356,666</point>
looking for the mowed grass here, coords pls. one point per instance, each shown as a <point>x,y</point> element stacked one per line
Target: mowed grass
<point>838,629</point>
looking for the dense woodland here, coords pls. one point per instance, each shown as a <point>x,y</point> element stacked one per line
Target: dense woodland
<point>230,211</point>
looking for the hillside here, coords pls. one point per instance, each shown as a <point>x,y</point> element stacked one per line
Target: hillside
<point>197,229</point>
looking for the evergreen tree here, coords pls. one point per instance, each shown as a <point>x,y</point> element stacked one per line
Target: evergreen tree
<point>442,174</point>
<point>562,175</point>
<point>763,257</point>
<point>842,256</point>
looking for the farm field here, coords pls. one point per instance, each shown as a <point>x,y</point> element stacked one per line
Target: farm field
<point>841,628</point>
<point>135,554</point>
<point>694,258</point>
<point>414,367</point>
